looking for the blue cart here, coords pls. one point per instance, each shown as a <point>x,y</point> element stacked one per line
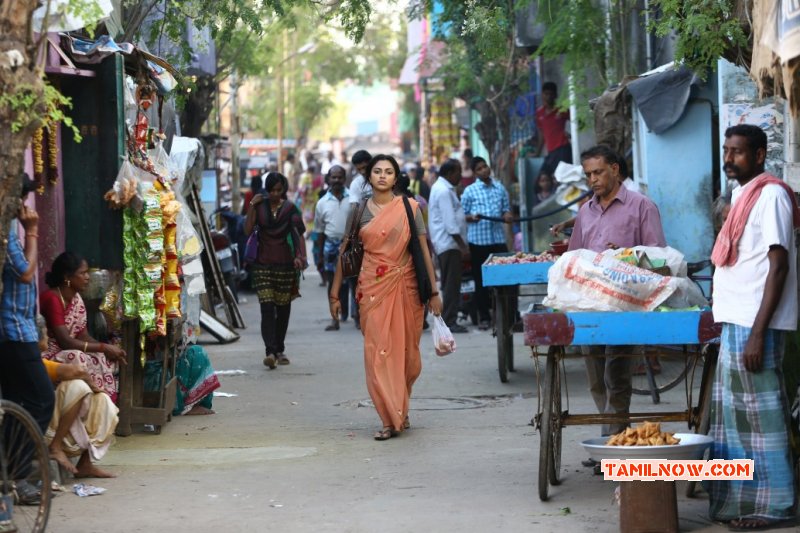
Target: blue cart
<point>504,281</point>
<point>557,330</point>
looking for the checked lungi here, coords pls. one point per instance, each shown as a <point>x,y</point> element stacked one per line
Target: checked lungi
<point>749,420</point>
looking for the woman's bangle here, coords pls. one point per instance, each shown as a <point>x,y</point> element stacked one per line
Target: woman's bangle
<point>434,294</point>
<point>332,299</point>
<point>34,235</point>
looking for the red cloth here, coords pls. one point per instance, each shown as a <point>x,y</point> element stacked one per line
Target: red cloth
<point>52,308</point>
<point>726,248</point>
<point>248,197</point>
<point>551,124</point>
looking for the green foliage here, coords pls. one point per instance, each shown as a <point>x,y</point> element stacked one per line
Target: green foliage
<point>26,105</point>
<point>482,59</point>
<point>314,58</point>
<point>232,22</point>
<point>705,30</point>
<point>86,10</point>
<point>55,104</point>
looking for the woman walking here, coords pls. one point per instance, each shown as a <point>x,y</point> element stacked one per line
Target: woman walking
<point>281,257</point>
<point>389,303</point>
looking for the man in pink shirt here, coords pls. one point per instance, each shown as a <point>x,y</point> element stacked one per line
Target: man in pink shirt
<point>614,217</point>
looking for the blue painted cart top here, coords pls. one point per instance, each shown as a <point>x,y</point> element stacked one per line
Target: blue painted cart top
<point>620,328</point>
<point>513,274</point>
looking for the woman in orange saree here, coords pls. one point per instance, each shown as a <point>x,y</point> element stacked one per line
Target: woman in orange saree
<point>389,303</point>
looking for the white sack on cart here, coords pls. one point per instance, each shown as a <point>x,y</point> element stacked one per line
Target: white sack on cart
<point>673,257</point>
<point>583,280</point>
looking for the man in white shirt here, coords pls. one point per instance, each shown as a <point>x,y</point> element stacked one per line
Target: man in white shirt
<point>755,299</point>
<point>330,220</point>
<point>448,230</point>
<point>359,187</point>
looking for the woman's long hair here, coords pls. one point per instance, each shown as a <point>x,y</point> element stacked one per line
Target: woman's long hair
<point>64,266</point>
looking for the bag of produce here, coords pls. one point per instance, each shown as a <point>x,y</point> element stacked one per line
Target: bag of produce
<point>443,341</point>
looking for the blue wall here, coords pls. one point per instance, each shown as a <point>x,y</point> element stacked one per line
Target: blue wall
<point>678,172</point>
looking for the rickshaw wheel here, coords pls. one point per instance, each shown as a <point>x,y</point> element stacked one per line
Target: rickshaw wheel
<point>550,429</point>
<point>554,472</point>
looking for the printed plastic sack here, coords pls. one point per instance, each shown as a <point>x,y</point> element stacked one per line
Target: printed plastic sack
<point>673,257</point>
<point>443,341</point>
<point>583,280</point>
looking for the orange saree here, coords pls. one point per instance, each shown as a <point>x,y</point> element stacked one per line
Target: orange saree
<point>391,313</point>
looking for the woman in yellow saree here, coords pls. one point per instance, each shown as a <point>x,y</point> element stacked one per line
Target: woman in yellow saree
<point>388,300</point>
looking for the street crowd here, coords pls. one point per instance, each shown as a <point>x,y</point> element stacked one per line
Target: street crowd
<point>402,225</point>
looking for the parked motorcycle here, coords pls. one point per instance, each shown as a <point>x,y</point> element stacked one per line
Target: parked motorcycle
<point>467,308</point>
<point>229,243</point>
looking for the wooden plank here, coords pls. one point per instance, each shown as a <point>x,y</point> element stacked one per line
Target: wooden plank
<point>619,328</point>
<point>616,418</point>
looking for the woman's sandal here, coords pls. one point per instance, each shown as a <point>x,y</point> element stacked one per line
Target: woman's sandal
<point>406,424</point>
<point>385,434</point>
<point>270,361</point>
<point>282,359</point>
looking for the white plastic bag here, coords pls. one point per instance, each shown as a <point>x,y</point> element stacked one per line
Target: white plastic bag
<point>443,341</point>
<point>583,280</point>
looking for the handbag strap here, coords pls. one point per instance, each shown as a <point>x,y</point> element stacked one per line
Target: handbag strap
<point>352,232</point>
<point>412,224</point>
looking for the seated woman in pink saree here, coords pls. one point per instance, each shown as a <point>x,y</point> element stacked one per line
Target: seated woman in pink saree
<point>389,304</point>
<point>65,313</point>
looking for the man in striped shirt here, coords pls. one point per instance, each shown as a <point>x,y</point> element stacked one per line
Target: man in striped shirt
<point>486,197</point>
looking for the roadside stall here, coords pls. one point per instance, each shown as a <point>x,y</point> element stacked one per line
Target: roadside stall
<point>602,299</point>
<point>109,197</point>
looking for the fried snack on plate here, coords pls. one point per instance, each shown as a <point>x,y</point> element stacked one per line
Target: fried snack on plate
<point>645,434</point>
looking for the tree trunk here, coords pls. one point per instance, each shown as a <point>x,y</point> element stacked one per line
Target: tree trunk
<point>16,79</point>
<point>198,106</point>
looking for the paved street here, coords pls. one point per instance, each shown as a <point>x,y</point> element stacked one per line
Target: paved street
<point>293,450</point>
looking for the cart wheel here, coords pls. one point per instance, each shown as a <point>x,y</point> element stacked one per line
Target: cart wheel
<point>500,318</point>
<point>547,464</point>
<point>702,420</point>
<point>554,472</point>
<point>671,366</point>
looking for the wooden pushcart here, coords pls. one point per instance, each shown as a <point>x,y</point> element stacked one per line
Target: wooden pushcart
<point>557,330</point>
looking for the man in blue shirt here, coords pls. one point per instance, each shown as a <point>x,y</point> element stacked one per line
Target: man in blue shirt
<point>486,197</point>
<point>23,378</point>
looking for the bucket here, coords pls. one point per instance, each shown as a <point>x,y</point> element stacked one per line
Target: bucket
<point>648,507</point>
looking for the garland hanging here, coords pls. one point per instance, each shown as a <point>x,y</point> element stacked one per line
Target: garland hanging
<point>38,159</point>
<point>52,153</point>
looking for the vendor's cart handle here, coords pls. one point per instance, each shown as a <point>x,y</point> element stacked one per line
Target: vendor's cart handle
<point>543,215</point>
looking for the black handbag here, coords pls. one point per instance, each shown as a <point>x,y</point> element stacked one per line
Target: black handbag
<point>353,249</point>
<point>423,281</point>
